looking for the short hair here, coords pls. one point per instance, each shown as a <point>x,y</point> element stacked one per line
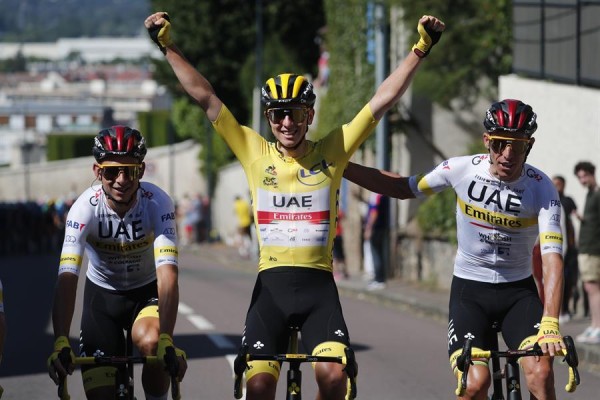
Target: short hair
<point>560,178</point>
<point>585,166</point>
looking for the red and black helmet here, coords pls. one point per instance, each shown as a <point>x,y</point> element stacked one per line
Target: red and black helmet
<point>119,140</point>
<point>510,115</point>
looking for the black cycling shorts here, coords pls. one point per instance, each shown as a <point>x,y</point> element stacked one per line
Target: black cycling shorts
<point>306,298</point>
<point>107,314</point>
<point>475,307</point>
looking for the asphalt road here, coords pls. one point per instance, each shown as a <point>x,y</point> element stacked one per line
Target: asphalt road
<point>401,355</point>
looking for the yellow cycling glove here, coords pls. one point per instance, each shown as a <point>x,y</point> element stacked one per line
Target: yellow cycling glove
<point>549,332</point>
<point>60,343</point>
<point>161,34</point>
<point>428,39</point>
<point>164,341</point>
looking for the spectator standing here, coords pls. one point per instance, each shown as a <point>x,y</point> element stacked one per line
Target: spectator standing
<point>339,255</point>
<point>375,233</point>
<point>244,230</point>
<point>571,268</point>
<point>589,249</point>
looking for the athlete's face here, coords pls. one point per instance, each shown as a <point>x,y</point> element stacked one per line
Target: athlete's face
<point>508,152</point>
<point>289,126</point>
<point>120,177</point>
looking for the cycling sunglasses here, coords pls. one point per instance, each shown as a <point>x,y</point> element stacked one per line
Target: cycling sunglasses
<point>111,172</point>
<point>499,143</point>
<point>298,114</point>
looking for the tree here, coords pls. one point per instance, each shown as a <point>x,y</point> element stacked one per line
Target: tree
<point>352,78</point>
<point>221,43</point>
<point>476,48</point>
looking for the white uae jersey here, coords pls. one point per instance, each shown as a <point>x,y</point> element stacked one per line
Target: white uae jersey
<point>497,222</point>
<point>123,252</point>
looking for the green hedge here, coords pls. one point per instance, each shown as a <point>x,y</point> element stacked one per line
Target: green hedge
<point>156,127</point>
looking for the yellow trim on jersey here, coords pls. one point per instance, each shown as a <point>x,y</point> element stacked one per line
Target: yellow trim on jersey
<point>476,361</point>
<point>98,377</point>
<point>166,251</point>
<point>147,312</point>
<point>495,218</point>
<point>70,259</point>
<point>423,186</point>
<point>551,237</point>
<point>329,349</point>
<point>260,366</point>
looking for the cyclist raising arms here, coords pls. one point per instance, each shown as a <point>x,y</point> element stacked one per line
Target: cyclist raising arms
<point>503,206</point>
<point>127,229</point>
<point>295,185</point>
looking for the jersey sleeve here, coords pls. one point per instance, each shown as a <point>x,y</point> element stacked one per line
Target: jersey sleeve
<point>549,220</point>
<point>76,231</point>
<point>165,229</point>
<point>438,179</point>
<point>342,142</point>
<point>239,138</point>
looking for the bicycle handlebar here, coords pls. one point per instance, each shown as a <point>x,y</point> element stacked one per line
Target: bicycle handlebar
<point>240,365</point>
<point>65,359</point>
<point>464,361</point>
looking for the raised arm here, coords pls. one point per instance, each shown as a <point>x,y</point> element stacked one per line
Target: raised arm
<point>379,181</point>
<point>393,87</point>
<point>196,85</point>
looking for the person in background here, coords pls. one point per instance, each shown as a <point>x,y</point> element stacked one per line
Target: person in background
<point>375,231</point>
<point>589,249</point>
<point>243,212</point>
<point>340,270</point>
<point>570,250</point>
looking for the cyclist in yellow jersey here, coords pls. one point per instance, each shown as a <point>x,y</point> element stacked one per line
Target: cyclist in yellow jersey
<point>295,186</point>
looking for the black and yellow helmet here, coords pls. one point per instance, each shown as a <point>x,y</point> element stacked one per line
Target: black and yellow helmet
<point>287,88</point>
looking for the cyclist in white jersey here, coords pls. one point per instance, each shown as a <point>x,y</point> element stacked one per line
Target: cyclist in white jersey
<point>503,207</point>
<point>127,230</point>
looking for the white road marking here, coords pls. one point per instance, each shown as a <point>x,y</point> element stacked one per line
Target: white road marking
<point>200,322</point>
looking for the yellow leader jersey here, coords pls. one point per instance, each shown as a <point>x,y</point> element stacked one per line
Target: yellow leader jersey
<point>295,201</point>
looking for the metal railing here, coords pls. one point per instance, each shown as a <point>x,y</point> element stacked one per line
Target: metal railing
<point>557,40</point>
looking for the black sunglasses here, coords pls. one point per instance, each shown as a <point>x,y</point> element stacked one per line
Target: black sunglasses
<point>276,115</point>
<point>499,143</point>
<point>111,172</point>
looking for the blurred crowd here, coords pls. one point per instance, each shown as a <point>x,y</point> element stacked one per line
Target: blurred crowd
<point>32,227</point>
